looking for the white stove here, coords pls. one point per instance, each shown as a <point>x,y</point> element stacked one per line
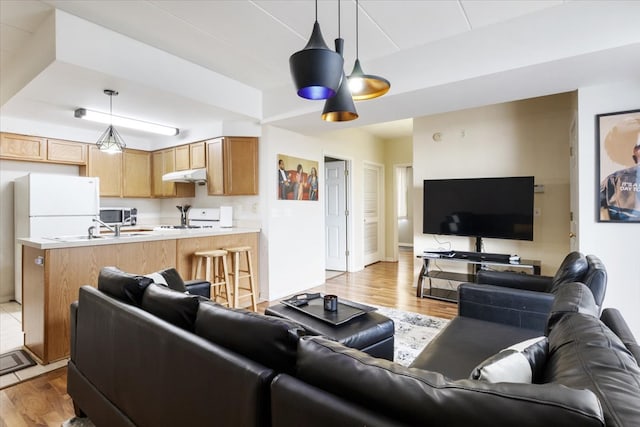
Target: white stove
<point>203,218</point>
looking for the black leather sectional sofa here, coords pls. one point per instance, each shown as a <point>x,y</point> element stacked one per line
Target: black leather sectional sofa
<point>166,359</point>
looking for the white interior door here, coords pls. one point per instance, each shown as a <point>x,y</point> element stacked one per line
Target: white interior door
<point>335,216</point>
<point>372,211</point>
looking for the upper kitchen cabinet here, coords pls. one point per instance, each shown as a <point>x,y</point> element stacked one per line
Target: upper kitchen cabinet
<point>136,180</point>
<point>23,147</point>
<point>190,156</point>
<point>37,149</point>
<point>232,166</point>
<point>66,152</point>
<point>164,161</point>
<point>107,167</point>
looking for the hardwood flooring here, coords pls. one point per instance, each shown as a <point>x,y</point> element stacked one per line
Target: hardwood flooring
<point>43,401</point>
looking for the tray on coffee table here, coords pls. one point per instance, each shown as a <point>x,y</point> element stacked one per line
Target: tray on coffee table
<point>314,307</point>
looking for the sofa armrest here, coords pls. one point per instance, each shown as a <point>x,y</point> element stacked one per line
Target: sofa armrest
<point>515,307</point>
<point>515,280</point>
<point>198,287</point>
<point>73,317</point>
<point>614,321</point>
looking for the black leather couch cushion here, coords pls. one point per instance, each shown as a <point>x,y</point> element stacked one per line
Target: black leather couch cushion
<point>571,298</point>
<point>596,279</point>
<point>573,267</point>
<point>456,350</point>
<point>123,286</point>
<point>269,340</point>
<point>585,354</point>
<point>175,307</point>
<point>417,397</point>
<point>614,321</point>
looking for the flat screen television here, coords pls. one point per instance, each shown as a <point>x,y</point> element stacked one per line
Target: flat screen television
<point>499,208</point>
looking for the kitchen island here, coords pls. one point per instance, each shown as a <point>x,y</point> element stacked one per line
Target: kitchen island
<point>53,269</point>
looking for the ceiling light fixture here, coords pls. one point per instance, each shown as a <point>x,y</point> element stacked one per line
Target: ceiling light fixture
<point>316,70</point>
<point>365,86</point>
<point>340,108</point>
<point>96,116</point>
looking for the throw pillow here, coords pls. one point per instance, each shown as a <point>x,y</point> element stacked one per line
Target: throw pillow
<point>123,286</point>
<point>168,277</point>
<point>519,363</point>
<point>175,307</point>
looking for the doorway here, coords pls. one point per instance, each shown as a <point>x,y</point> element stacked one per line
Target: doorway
<point>403,207</point>
<point>373,213</point>
<point>336,215</point>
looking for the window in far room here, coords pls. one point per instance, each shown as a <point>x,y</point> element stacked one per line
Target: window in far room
<point>403,175</point>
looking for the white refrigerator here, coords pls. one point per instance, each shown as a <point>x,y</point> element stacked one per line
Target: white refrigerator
<point>47,205</point>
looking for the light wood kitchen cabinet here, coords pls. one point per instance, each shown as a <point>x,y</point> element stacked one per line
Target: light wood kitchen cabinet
<point>107,167</point>
<point>190,156</point>
<point>23,147</point>
<point>197,156</point>
<point>182,158</point>
<point>137,173</point>
<point>232,166</point>
<point>59,151</point>
<point>164,161</point>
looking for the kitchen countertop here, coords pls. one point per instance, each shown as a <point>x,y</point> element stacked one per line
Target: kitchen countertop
<point>128,235</point>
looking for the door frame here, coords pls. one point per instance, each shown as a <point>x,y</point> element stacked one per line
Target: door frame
<point>349,204</point>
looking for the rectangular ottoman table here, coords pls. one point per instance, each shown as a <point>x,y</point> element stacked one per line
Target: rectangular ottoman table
<point>370,332</point>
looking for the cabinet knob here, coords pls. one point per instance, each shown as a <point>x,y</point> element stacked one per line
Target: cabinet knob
<point>39,260</point>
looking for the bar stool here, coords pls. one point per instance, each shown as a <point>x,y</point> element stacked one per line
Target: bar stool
<point>239,273</point>
<point>216,272</point>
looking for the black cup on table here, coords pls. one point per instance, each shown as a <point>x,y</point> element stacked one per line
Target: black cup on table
<point>331,302</point>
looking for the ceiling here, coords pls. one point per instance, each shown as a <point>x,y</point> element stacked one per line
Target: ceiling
<point>439,56</point>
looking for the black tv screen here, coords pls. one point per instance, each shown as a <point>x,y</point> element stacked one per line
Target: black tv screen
<point>499,208</point>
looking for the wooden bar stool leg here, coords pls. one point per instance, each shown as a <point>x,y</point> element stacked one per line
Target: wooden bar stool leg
<point>235,265</point>
<point>225,272</point>
<point>251,283</point>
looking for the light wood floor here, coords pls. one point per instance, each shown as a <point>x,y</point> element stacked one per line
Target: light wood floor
<point>43,401</point>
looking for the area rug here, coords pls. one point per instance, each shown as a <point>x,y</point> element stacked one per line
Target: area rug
<point>14,361</point>
<point>78,422</point>
<point>413,331</point>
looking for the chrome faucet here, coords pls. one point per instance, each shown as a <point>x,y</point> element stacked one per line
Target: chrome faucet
<point>115,228</point>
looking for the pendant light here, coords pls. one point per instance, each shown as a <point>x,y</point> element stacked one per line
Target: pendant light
<point>365,86</point>
<point>340,108</point>
<point>316,70</point>
<point>110,140</point>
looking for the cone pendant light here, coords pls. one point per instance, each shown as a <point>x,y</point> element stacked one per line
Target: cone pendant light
<point>316,70</point>
<point>365,86</point>
<point>340,108</point>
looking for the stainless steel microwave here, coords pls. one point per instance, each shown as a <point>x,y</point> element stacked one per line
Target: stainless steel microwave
<point>122,216</point>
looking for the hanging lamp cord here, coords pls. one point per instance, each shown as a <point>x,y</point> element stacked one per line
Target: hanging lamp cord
<point>357,41</point>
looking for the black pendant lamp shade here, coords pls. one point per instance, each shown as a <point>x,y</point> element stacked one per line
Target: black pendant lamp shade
<point>340,108</point>
<point>365,86</point>
<point>316,70</point>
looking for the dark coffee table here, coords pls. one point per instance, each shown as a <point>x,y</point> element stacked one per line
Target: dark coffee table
<point>370,332</point>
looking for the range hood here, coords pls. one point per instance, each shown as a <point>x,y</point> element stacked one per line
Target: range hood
<point>191,175</point>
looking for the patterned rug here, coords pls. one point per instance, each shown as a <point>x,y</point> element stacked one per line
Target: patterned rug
<point>413,332</point>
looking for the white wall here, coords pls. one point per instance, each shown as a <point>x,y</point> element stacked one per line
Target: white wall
<point>528,137</point>
<point>9,171</point>
<point>615,244</point>
<point>293,257</point>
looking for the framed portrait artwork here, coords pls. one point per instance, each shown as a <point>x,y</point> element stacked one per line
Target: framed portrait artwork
<point>618,145</point>
<point>297,178</point>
